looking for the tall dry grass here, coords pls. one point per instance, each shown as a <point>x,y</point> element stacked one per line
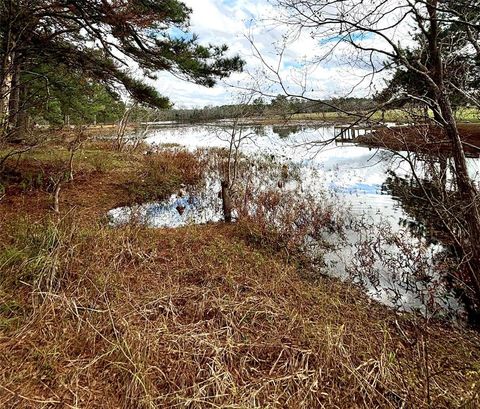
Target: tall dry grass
<point>164,172</point>
<point>197,317</point>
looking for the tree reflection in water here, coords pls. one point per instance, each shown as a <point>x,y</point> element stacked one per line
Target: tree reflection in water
<point>437,217</point>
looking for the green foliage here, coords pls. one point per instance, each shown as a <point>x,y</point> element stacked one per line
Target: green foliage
<point>461,65</point>
<point>279,106</point>
<point>92,41</point>
<point>32,254</point>
<point>55,92</point>
<point>27,180</point>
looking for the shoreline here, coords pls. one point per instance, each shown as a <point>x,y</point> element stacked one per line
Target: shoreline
<point>422,139</point>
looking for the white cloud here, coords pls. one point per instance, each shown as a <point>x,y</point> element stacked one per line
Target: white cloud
<point>229,21</point>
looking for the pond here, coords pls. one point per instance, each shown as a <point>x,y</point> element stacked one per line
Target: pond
<point>360,181</point>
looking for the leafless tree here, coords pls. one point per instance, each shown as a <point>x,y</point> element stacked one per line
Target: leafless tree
<point>369,34</point>
<point>57,183</point>
<point>236,133</point>
<point>122,127</point>
<point>73,147</point>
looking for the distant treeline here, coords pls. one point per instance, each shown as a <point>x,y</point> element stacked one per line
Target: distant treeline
<point>279,106</point>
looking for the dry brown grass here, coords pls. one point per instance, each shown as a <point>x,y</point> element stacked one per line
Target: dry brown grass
<point>164,172</point>
<point>423,139</point>
<point>95,317</point>
<point>104,179</point>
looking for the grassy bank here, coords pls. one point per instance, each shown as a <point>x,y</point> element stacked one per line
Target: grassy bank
<point>391,115</point>
<point>197,317</point>
<point>423,139</point>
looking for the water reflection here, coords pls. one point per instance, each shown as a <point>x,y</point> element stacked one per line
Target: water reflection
<point>175,212</point>
<point>439,216</point>
<point>394,244</point>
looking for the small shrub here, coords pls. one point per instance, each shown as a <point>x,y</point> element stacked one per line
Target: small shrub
<point>285,221</point>
<point>163,173</point>
<point>10,256</point>
<point>38,256</point>
<point>28,176</point>
<point>100,165</point>
<point>10,313</point>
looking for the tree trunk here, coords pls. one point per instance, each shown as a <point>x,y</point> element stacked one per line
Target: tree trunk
<point>226,202</point>
<point>23,121</point>
<point>442,160</point>
<point>6,70</point>
<point>70,166</point>
<point>468,194</point>
<point>18,121</point>
<point>14,103</point>
<point>466,188</point>
<point>6,86</point>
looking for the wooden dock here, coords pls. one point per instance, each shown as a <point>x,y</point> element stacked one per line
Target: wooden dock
<point>348,133</point>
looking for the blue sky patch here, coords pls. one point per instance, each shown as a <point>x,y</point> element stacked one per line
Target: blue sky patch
<point>293,64</point>
<point>229,3</point>
<point>352,37</point>
<point>358,188</point>
<point>178,34</point>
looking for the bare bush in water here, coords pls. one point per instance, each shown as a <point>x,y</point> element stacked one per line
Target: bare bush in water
<point>293,223</point>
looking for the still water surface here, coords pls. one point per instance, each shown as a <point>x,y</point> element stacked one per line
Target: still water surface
<point>352,176</point>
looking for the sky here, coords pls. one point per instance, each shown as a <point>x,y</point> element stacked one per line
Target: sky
<point>231,22</point>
